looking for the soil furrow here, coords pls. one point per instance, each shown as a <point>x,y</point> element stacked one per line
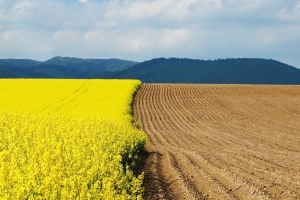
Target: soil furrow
<point>220,141</point>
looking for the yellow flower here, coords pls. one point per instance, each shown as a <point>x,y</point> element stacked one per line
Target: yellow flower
<point>67,139</point>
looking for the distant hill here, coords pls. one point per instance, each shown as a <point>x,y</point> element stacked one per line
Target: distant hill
<point>158,70</point>
<point>60,67</point>
<point>64,67</point>
<point>25,63</point>
<point>222,71</point>
<point>12,68</point>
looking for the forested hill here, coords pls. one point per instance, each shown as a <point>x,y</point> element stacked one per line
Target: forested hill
<point>10,68</point>
<point>60,67</point>
<point>222,71</point>
<point>158,70</point>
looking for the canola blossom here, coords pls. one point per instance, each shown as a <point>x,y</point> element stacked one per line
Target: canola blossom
<point>68,139</point>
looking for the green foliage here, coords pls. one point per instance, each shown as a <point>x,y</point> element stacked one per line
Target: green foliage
<point>158,70</point>
<point>64,67</point>
<point>11,68</point>
<point>60,67</point>
<point>221,71</point>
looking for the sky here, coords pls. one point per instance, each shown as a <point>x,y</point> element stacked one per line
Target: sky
<point>145,29</point>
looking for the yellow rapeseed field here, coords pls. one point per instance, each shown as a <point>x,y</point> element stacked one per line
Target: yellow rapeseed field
<point>68,139</point>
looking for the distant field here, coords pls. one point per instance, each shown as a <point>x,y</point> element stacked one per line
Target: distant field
<point>68,139</point>
<point>221,141</point>
<point>105,98</point>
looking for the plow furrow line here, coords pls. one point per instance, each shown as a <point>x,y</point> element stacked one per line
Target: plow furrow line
<point>220,141</point>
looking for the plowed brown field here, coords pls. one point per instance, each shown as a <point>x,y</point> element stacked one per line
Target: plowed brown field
<point>220,141</point>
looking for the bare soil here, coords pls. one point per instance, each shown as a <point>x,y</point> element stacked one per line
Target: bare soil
<point>220,141</point>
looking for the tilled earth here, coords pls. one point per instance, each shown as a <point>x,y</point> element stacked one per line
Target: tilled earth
<point>220,141</point>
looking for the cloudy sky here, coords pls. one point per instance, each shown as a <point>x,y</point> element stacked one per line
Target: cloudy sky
<point>145,29</point>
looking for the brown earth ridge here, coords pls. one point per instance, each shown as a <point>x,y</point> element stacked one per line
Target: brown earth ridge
<point>220,141</point>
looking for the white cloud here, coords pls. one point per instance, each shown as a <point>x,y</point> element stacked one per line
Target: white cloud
<point>173,38</point>
<point>10,36</point>
<point>297,7</point>
<point>143,29</point>
<point>24,6</point>
<point>280,35</point>
<point>291,14</point>
<point>67,37</point>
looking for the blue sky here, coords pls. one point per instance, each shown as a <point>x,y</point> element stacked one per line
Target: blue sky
<point>146,29</point>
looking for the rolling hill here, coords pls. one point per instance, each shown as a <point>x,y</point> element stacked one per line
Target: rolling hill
<point>158,70</point>
<point>64,67</point>
<point>60,67</point>
<point>222,71</point>
<point>12,68</point>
